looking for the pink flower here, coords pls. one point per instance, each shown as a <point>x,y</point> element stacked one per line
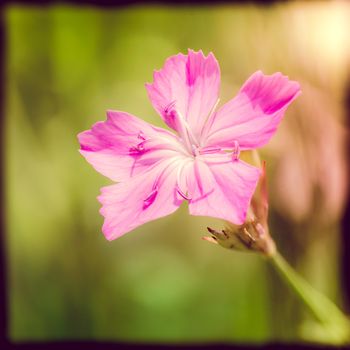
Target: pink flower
<point>157,169</point>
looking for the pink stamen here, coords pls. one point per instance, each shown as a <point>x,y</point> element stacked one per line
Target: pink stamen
<point>141,136</point>
<point>170,114</point>
<point>169,107</point>
<point>139,148</point>
<point>176,120</point>
<point>210,150</point>
<point>195,150</point>
<point>150,198</point>
<point>183,195</point>
<point>235,151</point>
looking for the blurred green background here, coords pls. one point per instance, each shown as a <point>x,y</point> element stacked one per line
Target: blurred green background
<point>65,66</point>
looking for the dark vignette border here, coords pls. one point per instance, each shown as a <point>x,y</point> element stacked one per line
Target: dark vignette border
<point>5,342</point>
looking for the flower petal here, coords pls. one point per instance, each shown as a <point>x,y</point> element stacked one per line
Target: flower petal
<point>142,198</point>
<point>221,188</point>
<point>124,145</point>
<point>252,117</point>
<point>189,84</point>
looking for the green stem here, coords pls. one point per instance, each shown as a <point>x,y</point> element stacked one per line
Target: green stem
<point>334,325</point>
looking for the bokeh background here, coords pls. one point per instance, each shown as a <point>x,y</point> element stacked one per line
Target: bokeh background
<point>65,66</point>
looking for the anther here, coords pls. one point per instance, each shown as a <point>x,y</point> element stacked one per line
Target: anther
<point>182,194</point>
<point>195,150</point>
<point>168,109</point>
<point>170,114</point>
<point>150,198</point>
<point>235,151</point>
<point>139,148</point>
<point>141,136</point>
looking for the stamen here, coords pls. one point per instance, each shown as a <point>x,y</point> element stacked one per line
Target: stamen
<point>169,107</point>
<point>188,129</point>
<point>139,148</point>
<point>178,181</point>
<point>176,121</point>
<point>210,150</point>
<point>150,198</point>
<point>183,195</point>
<point>141,136</point>
<point>214,108</point>
<point>235,151</point>
<point>195,150</point>
<point>170,114</point>
<point>208,118</point>
<point>157,182</point>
